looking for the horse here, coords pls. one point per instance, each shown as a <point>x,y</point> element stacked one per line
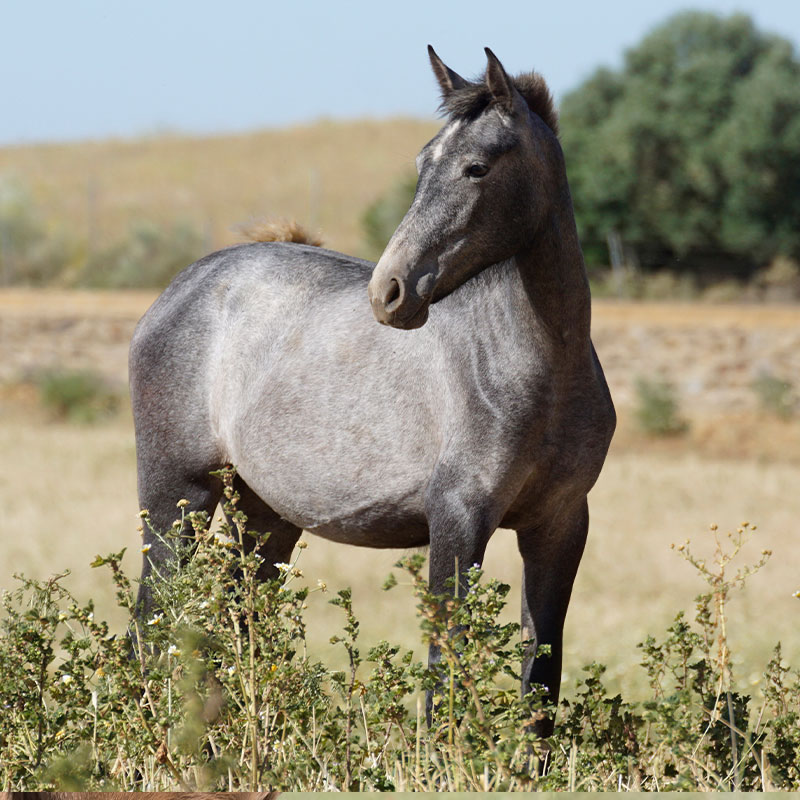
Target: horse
<point>477,403</point>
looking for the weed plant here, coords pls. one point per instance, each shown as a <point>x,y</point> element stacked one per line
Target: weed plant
<point>215,690</point>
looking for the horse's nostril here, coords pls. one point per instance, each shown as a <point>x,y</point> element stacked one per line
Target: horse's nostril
<point>394,295</point>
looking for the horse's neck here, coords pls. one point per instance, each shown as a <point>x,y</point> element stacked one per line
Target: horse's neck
<point>554,277</point>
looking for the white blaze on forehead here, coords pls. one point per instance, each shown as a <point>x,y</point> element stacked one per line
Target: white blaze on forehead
<point>446,134</point>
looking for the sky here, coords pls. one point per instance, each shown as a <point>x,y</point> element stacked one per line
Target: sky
<point>92,69</point>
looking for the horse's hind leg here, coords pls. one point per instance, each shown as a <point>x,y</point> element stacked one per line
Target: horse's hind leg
<point>163,482</point>
<point>262,519</point>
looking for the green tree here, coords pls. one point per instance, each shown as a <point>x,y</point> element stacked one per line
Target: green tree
<point>690,152</point>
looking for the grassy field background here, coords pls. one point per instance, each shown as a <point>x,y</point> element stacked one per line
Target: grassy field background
<point>68,492</point>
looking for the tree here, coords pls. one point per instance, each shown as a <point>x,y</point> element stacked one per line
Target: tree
<point>691,152</point>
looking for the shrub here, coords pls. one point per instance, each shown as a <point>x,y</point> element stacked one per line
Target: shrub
<point>77,395</point>
<point>30,254</point>
<point>776,395</point>
<point>657,409</point>
<point>149,257</point>
<point>216,691</point>
<point>382,217</point>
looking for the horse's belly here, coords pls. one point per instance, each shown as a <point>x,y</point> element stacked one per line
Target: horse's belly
<point>374,504</point>
<point>395,533</point>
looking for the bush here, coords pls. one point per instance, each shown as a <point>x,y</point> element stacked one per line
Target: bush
<point>776,396</point>
<point>657,410</point>
<point>220,694</point>
<point>77,395</point>
<point>30,254</point>
<point>149,257</point>
<point>381,219</point>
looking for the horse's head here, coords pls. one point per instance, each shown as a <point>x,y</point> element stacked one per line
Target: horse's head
<point>485,184</point>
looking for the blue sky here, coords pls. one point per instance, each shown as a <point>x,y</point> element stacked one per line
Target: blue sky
<point>75,69</point>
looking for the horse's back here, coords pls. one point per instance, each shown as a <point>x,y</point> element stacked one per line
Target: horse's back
<point>200,298</point>
<point>176,347</point>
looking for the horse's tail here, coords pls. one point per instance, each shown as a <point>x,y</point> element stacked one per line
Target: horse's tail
<point>277,230</point>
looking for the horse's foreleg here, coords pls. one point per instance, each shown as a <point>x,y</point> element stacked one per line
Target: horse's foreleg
<point>551,553</point>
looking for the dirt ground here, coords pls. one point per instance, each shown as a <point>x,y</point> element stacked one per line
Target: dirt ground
<point>68,492</point>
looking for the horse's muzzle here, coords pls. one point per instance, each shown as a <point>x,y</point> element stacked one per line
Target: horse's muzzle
<point>399,302</point>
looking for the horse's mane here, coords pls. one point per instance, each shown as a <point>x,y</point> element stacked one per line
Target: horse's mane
<point>469,101</point>
<point>277,230</point>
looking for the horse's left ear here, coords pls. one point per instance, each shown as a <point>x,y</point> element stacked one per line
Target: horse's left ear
<point>448,80</point>
<point>503,91</point>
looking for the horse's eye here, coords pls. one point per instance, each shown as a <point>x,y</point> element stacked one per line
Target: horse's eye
<point>477,170</point>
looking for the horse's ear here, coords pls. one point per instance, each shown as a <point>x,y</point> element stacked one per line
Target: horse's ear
<point>448,80</point>
<point>503,91</point>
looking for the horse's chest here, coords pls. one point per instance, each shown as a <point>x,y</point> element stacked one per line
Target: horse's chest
<point>565,461</point>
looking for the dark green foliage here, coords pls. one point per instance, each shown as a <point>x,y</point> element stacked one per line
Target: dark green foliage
<point>692,151</point>
<point>381,219</point>
<point>216,692</point>
<point>77,395</point>
<point>149,257</point>
<point>657,410</point>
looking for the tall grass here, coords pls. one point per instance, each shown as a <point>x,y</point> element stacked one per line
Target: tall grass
<point>216,690</point>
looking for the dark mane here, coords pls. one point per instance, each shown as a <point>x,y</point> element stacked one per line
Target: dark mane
<point>469,101</point>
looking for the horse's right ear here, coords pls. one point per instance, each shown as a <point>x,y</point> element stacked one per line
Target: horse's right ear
<point>448,80</point>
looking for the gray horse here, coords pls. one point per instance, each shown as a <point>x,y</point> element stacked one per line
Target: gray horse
<point>479,402</point>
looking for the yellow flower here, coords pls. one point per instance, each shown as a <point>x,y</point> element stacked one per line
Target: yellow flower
<point>146,548</point>
<point>183,503</point>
